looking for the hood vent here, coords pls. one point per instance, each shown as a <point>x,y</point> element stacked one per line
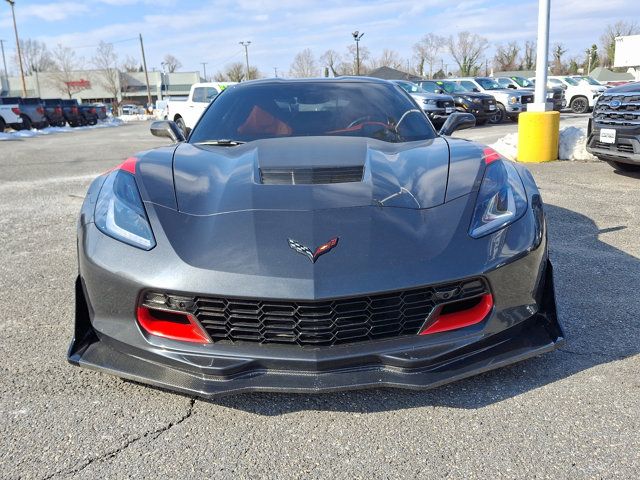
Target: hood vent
<point>311,176</point>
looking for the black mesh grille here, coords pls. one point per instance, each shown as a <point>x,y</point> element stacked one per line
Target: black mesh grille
<point>308,176</point>
<point>318,323</point>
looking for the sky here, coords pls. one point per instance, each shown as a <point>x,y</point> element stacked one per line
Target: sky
<point>210,30</point>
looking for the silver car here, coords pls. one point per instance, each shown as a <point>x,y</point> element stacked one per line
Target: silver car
<point>437,106</point>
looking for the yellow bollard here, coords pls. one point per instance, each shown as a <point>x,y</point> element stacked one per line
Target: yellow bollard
<point>538,136</point>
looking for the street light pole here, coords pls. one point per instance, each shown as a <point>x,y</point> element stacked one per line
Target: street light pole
<point>15,29</point>
<point>246,54</point>
<point>4,61</point>
<point>542,56</point>
<point>357,36</point>
<point>146,72</point>
<point>204,67</point>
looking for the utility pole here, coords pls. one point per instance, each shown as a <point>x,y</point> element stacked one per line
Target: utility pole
<point>146,73</point>
<point>275,71</point>
<point>542,59</point>
<point>4,61</point>
<point>357,36</point>
<point>246,54</point>
<point>204,67</point>
<point>15,29</point>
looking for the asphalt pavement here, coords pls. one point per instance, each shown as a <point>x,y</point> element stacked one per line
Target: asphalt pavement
<point>573,413</point>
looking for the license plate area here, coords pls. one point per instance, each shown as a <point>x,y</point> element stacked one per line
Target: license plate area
<point>608,135</point>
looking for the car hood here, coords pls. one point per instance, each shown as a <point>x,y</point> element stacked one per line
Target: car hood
<point>310,173</point>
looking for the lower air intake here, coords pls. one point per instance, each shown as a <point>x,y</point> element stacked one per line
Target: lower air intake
<point>310,176</point>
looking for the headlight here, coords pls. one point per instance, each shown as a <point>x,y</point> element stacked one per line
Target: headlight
<point>120,212</point>
<point>501,200</point>
<point>430,102</point>
<point>468,99</point>
<point>513,100</point>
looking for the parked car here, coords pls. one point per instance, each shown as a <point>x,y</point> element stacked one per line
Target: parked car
<point>555,95</point>
<point>101,110</point>
<point>9,114</point>
<point>437,106</point>
<point>581,96</point>
<point>31,112</point>
<point>589,80</point>
<point>88,114</point>
<point>510,102</point>
<point>186,113</point>
<point>71,112</point>
<point>312,235</point>
<point>480,105</point>
<point>130,109</point>
<point>53,112</point>
<point>613,134</point>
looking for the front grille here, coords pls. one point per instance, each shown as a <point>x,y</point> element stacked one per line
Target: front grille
<point>318,323</point>
<point>444,103</point>
<point>310,176</point>
<point>627,113</point>
<point>620,147</point>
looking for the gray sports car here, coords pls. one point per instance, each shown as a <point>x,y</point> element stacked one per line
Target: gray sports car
<point>312,235</point>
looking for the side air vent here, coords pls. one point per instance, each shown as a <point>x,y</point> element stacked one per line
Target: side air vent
<point>310,176</point>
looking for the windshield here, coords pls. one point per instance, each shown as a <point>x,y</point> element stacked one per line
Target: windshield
<point>523,82</point>
<point>571,81</point>
<point>410,87</point>
<point>591,81</point>
<point>446,86</point>
<point>489,84</point>
<point>324,108</point>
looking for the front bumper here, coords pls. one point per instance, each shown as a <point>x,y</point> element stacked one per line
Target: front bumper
<point>413,362</point>
<point>626,148</point>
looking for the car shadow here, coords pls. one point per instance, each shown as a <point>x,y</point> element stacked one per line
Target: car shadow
<point>593,281</point>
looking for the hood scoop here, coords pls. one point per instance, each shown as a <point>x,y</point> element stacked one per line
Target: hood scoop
<point>310,175</point>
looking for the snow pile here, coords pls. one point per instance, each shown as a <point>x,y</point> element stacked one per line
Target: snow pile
<point>572,145</point>
<point>143,117</point>
<point>16,135</point>
<point>507,146</point>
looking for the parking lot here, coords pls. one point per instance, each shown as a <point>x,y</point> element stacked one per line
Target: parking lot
<point>569,414</point>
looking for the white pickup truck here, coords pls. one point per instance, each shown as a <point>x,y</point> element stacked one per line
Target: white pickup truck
<point>187,112</point>
<point>9,115</point>
<point>581,96</point>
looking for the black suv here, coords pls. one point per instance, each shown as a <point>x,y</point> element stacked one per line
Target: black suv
<point>614,128</point>
<point>481,105</point>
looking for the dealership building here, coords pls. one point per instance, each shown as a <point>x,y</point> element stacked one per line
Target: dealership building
<point>88,86</point>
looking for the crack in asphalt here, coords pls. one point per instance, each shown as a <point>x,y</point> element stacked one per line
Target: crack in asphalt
<point>113,453</point>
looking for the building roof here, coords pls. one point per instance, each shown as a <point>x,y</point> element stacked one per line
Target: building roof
<point>605,75</point>
<point>515,73</point>
<point>388,73</point>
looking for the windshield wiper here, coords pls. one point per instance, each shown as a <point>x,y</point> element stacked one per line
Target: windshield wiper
<point>223,142</point>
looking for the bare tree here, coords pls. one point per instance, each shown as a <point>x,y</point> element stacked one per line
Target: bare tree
<point>506,57</point>
<point>426,52</point>
<point>172,63</point>
<point>331,59</point>
<point>365,55</point>
<point>389,58</point>
<point>236,72</point>
<point>106,61</point>
<point>591,59</point>
<point>35,56</point>
<point>559,67</point>
<point>304,65</point>
<point>66,64</point>
<point>608,38</point>
<point>467,50</point>
<point>528,61</point>
<point>130,64</point>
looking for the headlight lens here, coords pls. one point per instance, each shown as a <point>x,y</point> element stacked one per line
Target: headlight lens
<point>430,102</point>
<point>513,100</point>
<point>501,200</point>
<point>468,99</point>
<point>120,212</point>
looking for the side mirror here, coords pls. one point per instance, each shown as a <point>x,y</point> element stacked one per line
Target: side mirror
<point>512,86</point>
<point>476,90</point>
<point>167,129</point>
<point>457,121</point>
<point>439,90</point>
